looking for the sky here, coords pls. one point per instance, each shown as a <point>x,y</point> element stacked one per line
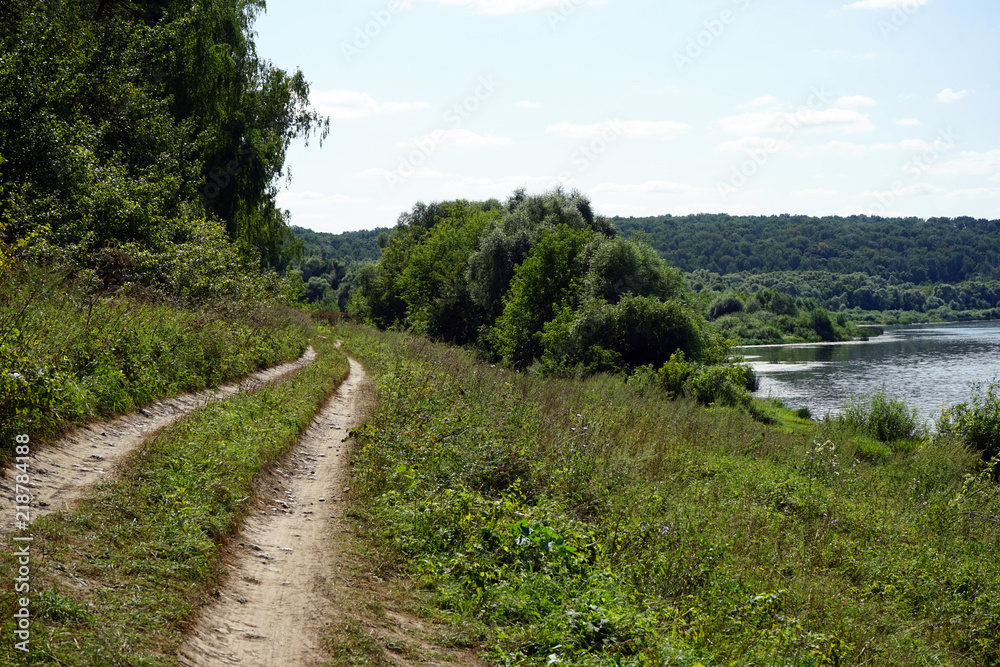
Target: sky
<point>648,107</point>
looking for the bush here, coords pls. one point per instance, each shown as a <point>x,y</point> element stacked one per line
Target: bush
<point>976,422</point>
<point>725,305</point>
<point>721,384</point>
<point>882,417</point>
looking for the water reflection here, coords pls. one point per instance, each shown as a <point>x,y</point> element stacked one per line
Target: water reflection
<point>929,366</point>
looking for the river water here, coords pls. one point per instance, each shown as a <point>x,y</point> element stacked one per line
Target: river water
<point>927,365</point>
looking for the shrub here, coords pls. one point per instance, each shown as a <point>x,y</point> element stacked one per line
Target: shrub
<point>721,384</point>
<point>976,422</point>
<point>725,305</point>
<point>882,417</point>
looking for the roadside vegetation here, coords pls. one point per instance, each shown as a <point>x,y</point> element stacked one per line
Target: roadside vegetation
<point>118,580</point>
<point>595,522</point>
<point>70,353</point>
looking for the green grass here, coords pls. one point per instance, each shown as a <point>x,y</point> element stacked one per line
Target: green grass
<point>585,523</point>
<point>117,581</point>
<point>68,355</point>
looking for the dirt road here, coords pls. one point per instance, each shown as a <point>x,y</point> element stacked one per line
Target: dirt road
<point>276,602</point>
<point>63,473</point>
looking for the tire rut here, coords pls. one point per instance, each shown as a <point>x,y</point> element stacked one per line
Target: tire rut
<point>63,473</point>
<point>276,602</point>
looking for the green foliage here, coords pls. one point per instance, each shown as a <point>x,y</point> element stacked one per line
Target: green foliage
<point>882,417</point>
<point>69,355</point>
<point>936,250</point>
<point>118,118</point>
<point>551,275</point>
<point>976,422</point>
<point>596,522</point>
<point>434,285</point>
<point>618,267</point>
<point>637,331</point>
<point>724,305</point>
<point>540,279</point>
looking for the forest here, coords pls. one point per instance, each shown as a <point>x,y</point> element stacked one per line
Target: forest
<point>936,250</point>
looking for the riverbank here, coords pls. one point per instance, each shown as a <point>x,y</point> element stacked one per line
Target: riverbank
<point>585,522</point>
<point>929,366</point>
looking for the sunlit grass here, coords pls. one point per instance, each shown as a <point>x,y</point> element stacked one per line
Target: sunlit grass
<point>584,523</point>
<point>68,355</point>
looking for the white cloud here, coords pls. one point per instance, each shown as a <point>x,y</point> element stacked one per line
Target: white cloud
<point>349,104</point>
<point>418,172</point>
<point>802,120</point>
<point>843,148</point>
<point>309,198</point>
<point>885,4</point>
<point>947,96</point>
<point>649,187</point>
<point>502,7</point>
<point>762,101</point>
<point>815,192</point>
<point>666,130</point>
<point>527,104</point>
<point>744,144</point>
<point>971,162</point>
<point>472,187</point>
<point>908,122</point>
<point>923,145</point>
<point>974,192</point>
<point>454,139</point>
<point>854,101</point>
<point>914,190</point>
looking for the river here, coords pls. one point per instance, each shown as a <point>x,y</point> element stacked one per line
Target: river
<point>927,365</point>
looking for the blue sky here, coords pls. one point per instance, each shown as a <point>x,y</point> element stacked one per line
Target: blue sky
<point>881,107</point>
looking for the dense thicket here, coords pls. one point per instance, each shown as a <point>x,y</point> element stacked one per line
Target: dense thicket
<point>912,250</point>
<point>124,122</point>
<point>535,279</point>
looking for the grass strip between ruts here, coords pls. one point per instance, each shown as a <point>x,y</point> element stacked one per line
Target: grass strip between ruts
<point>116,581</point>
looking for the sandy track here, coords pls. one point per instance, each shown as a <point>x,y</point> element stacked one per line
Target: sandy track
<point>63,473</point>
<point>276,602</point>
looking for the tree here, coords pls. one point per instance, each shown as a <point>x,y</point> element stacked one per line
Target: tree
<point>549,277</point>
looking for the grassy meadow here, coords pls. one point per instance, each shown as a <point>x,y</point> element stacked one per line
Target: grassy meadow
<point>596,522</point>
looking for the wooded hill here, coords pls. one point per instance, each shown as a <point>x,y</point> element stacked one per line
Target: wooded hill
<point>937,250</point>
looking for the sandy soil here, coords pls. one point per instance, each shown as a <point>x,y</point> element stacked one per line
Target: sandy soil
<point>63,473</point>
<point>277,602</point>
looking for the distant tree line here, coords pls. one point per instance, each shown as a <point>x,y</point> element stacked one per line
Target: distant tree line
<point>912,250</point>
